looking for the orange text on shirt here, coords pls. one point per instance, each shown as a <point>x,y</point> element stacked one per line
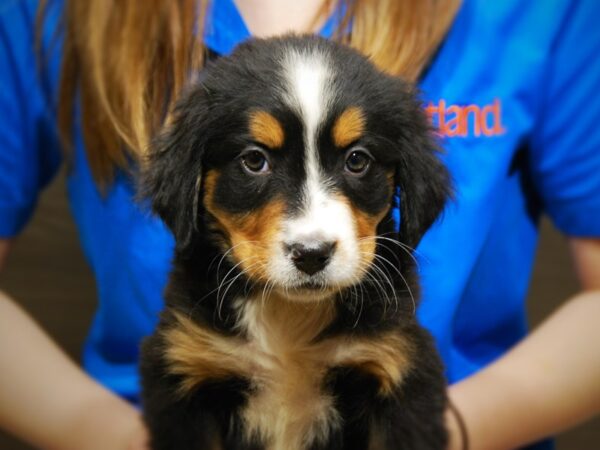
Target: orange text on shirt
<point>467,120</point>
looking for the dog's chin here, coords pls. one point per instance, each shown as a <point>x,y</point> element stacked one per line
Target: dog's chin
<point>319,287</point>
<point>307,292</point>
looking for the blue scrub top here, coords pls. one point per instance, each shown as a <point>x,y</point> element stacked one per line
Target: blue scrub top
<point>513,91</point>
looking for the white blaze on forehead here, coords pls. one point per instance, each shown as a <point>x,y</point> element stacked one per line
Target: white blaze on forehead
<point>308,75</point>
<point>309,78</point>
<point>324,217</point>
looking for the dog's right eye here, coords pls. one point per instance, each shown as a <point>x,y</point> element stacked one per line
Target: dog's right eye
<point>255,161</point>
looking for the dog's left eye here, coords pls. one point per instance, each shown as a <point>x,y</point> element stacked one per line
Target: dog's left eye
<point>255,161</point>
<point>358,161</point>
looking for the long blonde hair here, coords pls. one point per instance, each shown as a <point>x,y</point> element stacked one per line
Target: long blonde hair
<point>128,62</point>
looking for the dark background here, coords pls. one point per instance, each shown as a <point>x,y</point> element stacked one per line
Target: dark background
<point>46,272</point>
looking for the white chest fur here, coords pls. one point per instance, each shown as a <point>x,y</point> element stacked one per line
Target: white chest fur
<point>289,409</point>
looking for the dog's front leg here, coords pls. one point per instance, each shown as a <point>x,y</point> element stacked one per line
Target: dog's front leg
<point>205,418</point>
<point>355,394</point>
<point>411,417</point>
<point>407,417</point>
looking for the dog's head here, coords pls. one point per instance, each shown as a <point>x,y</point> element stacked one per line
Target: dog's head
<point>288,154</point>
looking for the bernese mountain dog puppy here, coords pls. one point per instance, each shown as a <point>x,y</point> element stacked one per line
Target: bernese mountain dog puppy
<point>290,310</point>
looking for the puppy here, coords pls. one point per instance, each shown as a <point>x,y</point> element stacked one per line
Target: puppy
<point>290,311</point>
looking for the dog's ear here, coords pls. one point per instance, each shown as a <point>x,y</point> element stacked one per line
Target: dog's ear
<point>423,182</point>
<point>172,170</point>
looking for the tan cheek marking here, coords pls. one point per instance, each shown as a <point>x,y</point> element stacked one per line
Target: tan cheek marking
<point>198,354</point>
<point>366,229</point>
<point>251,235</point>
<point>388,358</point>
<point>266,129</point>
<point>254,237</point>
<point>210,181</point>
<point>366,224</point>
<point>348,127</point>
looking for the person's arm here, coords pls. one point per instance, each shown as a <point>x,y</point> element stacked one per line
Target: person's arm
<point>47,400</point>
<point>548,382</point>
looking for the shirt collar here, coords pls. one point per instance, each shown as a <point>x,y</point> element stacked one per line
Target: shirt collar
<point>225,27</point>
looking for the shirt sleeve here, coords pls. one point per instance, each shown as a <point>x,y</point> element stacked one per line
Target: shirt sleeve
<point>566,142</point>
<point>29,151</point>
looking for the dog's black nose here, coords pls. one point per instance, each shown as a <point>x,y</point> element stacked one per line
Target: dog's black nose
<point>312,258</point>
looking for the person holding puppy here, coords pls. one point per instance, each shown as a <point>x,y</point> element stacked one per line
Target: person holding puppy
<point>510,89</point>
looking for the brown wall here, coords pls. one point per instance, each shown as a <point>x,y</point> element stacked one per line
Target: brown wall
<point>47,274</point>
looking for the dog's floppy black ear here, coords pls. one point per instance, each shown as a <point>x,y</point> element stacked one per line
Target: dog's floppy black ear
<point>424,186</point>
<point>171,173</point>
<point>423,181</point>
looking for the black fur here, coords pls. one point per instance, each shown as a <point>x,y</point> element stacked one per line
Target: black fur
<point>208,132</point>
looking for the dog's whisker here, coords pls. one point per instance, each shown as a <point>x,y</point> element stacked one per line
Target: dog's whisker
<point>354,298</point>
<point>230,250</point>
<point>405,248</point>
<point>224,280</point>
<point>409,290</point>
<point>221,298</point>
<point>385,278</point>
<point>364,275</point>
<point>385,261</point>
<point>265,290</point>
<point>388,263</point>
<point>270,286</point>
<point>380,287</point>
<point>385,264</point>
<point>244,272</point>
<point>388,279</point>
<point>362,302</point>
<point>270,290</point>
<point>382,237</point>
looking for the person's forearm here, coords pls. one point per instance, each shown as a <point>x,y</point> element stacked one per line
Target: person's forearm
<point>47,400</point>
<point>547,383</point>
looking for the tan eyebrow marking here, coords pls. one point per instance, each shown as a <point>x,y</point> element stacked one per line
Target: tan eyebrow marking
<point>266,129</point>
<point>348,127</point>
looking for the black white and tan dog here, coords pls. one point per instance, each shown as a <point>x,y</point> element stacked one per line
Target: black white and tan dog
<point>290,311</point>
